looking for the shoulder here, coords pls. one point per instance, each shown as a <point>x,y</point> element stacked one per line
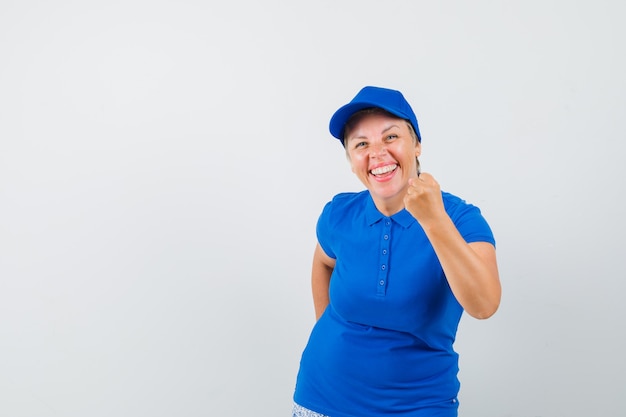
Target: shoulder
<point>338,219</point>
<point>468,219</point>
<point>452,199</point>
<point>343,208</point>
<point>349,198</point>
<point>345,201</point>
<point>454,203</point>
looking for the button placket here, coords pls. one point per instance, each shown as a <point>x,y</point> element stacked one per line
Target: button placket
<point>384,257</point>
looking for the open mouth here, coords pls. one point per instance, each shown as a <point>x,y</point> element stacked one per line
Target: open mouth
<point>384,170</point>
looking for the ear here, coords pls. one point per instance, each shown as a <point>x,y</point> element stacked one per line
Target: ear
<point>418,149</point>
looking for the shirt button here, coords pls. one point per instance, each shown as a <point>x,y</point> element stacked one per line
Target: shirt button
<point>383,267</point>
<point>381,282</point>
<point>384,251</point>
<point>386,237</point>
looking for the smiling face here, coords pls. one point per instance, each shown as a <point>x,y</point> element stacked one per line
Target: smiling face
<point>382,153</point>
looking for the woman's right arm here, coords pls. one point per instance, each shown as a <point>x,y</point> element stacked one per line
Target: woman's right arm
<point>323,266</point>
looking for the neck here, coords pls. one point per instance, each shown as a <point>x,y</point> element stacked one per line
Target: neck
<point>389,206</point>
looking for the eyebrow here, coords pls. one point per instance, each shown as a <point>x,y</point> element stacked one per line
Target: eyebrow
<point>382,132</point>
<point>389,128</point>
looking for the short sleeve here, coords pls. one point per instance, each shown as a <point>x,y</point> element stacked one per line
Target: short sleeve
<point>324,231</point>
<point>469,221</point>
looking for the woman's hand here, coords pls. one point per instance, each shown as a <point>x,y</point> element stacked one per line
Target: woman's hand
<point>423,200</point>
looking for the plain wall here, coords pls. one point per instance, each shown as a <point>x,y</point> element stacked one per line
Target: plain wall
<point>163,164</point>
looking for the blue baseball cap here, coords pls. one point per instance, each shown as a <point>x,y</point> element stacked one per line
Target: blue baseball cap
<point>389,100</point>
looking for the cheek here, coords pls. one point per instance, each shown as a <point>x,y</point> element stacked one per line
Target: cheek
<point>355,162</point>
<point>350,161</point>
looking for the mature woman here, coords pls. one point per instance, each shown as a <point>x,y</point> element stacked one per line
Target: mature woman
<point>394,268</point>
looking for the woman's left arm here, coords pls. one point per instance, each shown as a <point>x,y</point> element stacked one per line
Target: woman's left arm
<point>471,268</point>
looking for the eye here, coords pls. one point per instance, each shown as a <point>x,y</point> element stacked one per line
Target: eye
<point>391,136</point>
<point>361,144</point>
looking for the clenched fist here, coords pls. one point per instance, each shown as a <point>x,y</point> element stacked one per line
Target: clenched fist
<point>423,200</point>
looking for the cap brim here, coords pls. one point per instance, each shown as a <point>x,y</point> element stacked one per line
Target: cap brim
<point>340,118</point>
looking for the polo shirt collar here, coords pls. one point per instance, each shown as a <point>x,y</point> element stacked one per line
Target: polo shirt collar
<point>372,215</point>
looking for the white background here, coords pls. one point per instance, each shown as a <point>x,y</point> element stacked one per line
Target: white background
<point>163,164</point>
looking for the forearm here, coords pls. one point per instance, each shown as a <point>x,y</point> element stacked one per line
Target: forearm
<point>320,284</point>
<point>320,280</point>
<point>471,269</point>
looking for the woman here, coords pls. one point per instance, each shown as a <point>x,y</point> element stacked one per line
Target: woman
<point>394,268</point>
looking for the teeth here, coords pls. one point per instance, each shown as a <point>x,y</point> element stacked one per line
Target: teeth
<point>384,170</point>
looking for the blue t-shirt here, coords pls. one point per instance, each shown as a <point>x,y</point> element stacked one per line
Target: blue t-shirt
<point>384,345</point>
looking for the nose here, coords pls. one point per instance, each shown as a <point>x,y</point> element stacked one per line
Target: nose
<point>379,149</point>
